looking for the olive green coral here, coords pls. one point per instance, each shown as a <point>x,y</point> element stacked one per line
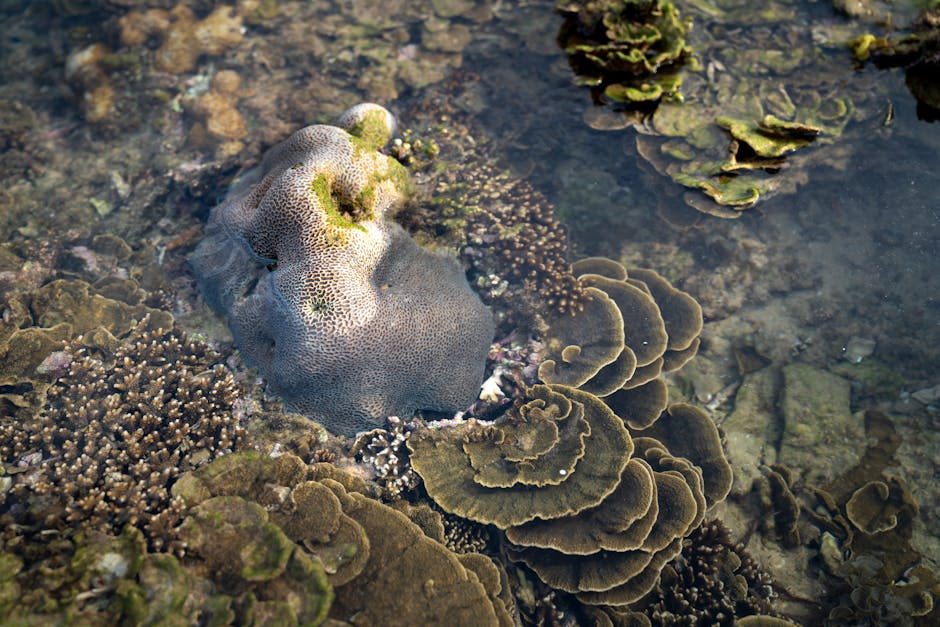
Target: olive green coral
<point>594,509</point>
<point>382,567</point>
<point>633,325</point>
<point>632,47</point>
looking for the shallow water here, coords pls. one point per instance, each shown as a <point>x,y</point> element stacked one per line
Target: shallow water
<point>848,258</point>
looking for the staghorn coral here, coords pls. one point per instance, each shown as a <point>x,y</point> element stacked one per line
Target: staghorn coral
<point>514,248</point>
<point>116,431</point>
<point>346,316</point>
<point>42,312</point>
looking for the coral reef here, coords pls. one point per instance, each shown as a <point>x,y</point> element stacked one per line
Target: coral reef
<point>381,566</point>
<point>630,48</point>
<point>515,247</point>
<point>633,327</point>
<point>84,72</point>
<point>38,320</point>
<point>183,36</point>
<point>592,509</point>
<point>712,582</point>
<point>219,119</point>
<point>346,316</point>
<point>917,51</point>
<point>385,451</point>
<point>727,150</point>
<point>115,433</point>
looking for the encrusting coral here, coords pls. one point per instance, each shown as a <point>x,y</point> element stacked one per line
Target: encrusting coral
<point>381,566</point>
<point>116,432</point>
<point>184,37</point>
<point>347,317</point>
<point>595,494</point>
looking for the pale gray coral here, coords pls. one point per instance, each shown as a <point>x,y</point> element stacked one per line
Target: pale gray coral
<point>345,315</point>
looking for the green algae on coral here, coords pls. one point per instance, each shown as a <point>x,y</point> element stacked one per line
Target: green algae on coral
<point>747,115</point>
<point>630,48</point>
<point>770,137</point>
<point>321,187</point>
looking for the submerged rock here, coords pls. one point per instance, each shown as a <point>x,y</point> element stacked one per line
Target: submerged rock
<point>821,437</point>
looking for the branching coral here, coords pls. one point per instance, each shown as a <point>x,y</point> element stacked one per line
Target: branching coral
<point>117,431</point>
<point>712,582</point>
<point>386,452</point>
<point>515,247</point>
<point>346,316</point>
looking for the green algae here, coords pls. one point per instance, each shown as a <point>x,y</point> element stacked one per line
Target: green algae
<point>321,186</point>
<point>372,130</point>
<point>757,101</point>
<point>770,137</point>
<point>876,378</point>
<point>629,49</point>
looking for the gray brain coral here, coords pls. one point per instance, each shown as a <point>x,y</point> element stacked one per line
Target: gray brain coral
<point>345,315</point>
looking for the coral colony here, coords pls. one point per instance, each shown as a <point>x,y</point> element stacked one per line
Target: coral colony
<point>347,317</point>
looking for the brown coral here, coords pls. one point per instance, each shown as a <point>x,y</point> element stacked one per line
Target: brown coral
<point>220,122</point>
<point>515,246</point>
<point>712,582</point>
<point>117,431</point>
<point>592,510</point>
<point>383,568</point>
<point>183,36</point>
<point>490,474</point>
<point>633,326</point>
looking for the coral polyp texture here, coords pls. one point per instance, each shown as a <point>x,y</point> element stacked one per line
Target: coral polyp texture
<point>348,318</point>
